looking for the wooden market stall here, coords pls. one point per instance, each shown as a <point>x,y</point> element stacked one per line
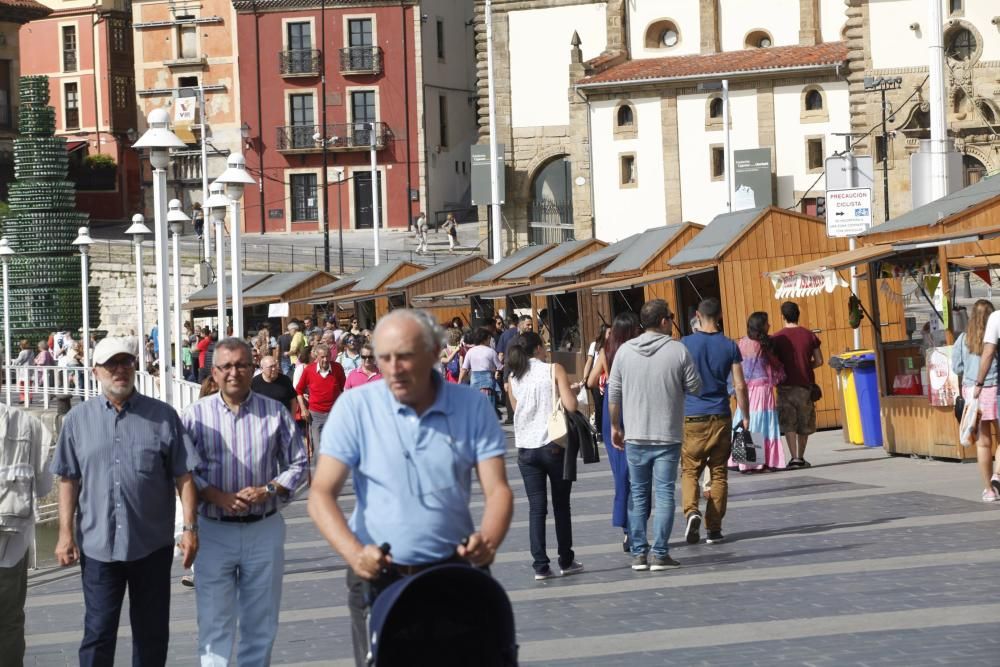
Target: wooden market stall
<point>447,275</point>
<point>362,293</point>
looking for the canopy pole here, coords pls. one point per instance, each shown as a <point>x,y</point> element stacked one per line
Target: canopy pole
<point>945,285</point>
<point>876,330</point>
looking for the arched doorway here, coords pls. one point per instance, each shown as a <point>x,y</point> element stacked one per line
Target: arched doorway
<point>972,169</point>
<point>550,213</point>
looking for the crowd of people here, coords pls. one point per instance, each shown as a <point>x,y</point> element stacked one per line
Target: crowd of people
<point>409,412</point>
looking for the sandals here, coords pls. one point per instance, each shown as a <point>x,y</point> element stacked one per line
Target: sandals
<point>798,463</point>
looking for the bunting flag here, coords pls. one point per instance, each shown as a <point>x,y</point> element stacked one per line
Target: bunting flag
<point>931,283</point>
<point>985,276</point>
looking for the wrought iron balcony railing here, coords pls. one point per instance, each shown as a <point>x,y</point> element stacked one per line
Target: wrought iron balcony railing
<point>361,60</point>
<point>340,137</point>
<point>300,62</point>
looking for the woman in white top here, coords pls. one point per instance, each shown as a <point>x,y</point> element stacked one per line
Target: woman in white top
<point>531,391</point>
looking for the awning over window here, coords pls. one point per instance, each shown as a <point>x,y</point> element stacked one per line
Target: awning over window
<point>74,146</point>
<point>652,279</point>
<point>556,290</point>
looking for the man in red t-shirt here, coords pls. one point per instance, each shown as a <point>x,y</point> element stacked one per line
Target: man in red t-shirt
<point>322,382</point>
<point>798,349</point>
<point>202,346</point>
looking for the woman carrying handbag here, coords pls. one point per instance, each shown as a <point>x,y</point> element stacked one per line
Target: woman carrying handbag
<point>540,392</point>
<point>763,372</point>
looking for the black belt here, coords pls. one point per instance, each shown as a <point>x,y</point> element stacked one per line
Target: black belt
<point>408,570</point>
<point>703,418</point>
<point>247,518</point>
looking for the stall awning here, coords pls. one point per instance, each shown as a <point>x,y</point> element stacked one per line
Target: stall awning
<point>951,238</point>
<point>555,290</point>
<point>461,293</point>
<point>652,278</point>
<point>515,290</point>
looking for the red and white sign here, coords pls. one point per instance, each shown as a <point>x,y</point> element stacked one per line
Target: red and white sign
<point>848,212</point>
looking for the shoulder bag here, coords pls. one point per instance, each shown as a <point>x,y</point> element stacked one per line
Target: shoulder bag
<point>557,429</point>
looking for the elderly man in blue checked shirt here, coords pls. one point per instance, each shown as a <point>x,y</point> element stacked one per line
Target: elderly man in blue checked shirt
<point>119,458</point>
<point>253,460</point>
<point>420,438</point>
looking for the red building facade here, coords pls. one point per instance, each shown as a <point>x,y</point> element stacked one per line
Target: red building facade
<point>370,99</point>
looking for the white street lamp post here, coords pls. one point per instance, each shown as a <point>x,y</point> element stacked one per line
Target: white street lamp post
<point>175,221</point>
<point>159,140</point>
<point>235,178</point>
<point>82,243</point>
<point>375,192</point>
<point>5,254</point>
<point>138,231</point>
<point>215,207</point>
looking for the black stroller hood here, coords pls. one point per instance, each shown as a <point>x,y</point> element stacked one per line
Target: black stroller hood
<point>449,615</point>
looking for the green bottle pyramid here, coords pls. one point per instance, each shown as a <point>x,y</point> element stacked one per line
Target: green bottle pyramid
<point>45,289</point>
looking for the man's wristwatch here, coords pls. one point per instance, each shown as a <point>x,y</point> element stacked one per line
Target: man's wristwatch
<point>271,489</point>
<point>190,528</point>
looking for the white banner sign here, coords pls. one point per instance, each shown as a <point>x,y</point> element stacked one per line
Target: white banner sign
<point>277,310</point>
<point>806,284</point>
<point>185,109</point>
<point>848,212</point>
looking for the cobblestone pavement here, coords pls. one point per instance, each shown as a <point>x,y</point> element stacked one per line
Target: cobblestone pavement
<point>861,560</point>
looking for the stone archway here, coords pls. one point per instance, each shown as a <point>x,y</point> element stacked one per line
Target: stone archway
<point>550,200</point>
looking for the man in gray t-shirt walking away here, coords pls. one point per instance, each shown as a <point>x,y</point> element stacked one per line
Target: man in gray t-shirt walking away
<point>649,379</point>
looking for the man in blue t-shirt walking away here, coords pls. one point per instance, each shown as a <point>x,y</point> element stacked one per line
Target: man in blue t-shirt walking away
<point>707,421</point>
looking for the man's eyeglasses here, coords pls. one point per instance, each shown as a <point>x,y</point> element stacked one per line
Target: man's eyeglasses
<point>113,365</point>
<point>367,357</point>
<point>239,368</point>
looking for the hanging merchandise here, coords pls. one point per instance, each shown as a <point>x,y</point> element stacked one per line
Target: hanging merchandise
<point>854,312</point>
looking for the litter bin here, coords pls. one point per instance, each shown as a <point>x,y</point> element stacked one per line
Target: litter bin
<point>866,384</point>
<point>845,364</point>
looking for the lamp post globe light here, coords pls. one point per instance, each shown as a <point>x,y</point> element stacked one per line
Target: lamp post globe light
<point>5,254</point>
<point>138,231</point>
<point>159,140</point>
<point>175,221</point>
<point>235,179</point>
<point>215,207</point>
<point>83,243</point>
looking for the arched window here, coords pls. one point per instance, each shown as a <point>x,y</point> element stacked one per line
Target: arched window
<point>626,117</point>
<point>552,202</point>
<point>662,34</point>
<point>758,39</point>
<point>715,108</point>
<point>961,45</point>
<point>814,100</point>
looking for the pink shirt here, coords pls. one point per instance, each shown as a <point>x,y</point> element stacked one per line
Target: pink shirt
<point>358,377</point>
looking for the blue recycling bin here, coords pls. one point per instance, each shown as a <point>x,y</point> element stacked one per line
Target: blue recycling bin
<point>866,382</point>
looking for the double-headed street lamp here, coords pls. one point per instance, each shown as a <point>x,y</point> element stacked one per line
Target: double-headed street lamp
<point>159,140</point>
<point>235,179</point>
<point>6,252</point>
<point>138,231</point>
<point>215,207</point>
<point>175,221</point>
<point>83,243</point>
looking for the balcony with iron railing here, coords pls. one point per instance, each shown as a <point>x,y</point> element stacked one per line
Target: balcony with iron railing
<point>340,137</point>
<point>361,60</point>
<point>300,62</point>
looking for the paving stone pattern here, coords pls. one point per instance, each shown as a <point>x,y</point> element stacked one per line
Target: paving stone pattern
<point>861,560</point>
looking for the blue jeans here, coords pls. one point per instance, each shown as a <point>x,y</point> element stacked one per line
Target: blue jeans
<point>239,577</point>
<point>651,469</point>
<point>539,466</point>
<point>148,584</point>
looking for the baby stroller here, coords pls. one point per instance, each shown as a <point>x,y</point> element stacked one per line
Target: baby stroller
<point>452,615</point>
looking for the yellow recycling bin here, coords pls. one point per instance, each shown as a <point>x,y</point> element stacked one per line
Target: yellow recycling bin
<point>852,411</point>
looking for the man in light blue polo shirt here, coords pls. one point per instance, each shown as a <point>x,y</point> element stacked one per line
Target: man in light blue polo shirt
<point>411,443</point>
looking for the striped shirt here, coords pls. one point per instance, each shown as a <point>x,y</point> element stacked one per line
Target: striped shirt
<point>258,445</point>
<point>127,462</point>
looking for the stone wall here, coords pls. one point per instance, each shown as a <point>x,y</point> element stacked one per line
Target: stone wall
<point>115,277</point>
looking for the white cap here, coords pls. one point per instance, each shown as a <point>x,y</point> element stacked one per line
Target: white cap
<point>112,346</point>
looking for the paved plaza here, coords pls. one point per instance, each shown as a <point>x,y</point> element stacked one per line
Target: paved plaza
<point>863,559</point>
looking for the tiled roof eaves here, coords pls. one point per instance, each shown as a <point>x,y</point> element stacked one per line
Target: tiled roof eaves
<point>278,5</point>
<point>22,11</point>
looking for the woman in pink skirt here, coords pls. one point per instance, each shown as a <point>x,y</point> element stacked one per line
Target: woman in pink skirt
<point>965,360</point>
<point>763,372</point>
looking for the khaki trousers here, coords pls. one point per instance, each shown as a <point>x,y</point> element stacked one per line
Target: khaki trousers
<point>706,443</point>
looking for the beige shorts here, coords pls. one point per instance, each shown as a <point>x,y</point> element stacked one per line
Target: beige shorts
<point>796,412</point>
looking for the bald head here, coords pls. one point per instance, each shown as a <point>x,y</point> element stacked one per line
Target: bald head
<point>406,348</point>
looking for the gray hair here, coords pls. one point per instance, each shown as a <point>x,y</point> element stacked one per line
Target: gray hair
<point>430,331</point>
<point>320,347</point>
<point>233,344</point>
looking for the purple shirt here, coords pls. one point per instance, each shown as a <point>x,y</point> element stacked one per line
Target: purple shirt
<point>258,445</point>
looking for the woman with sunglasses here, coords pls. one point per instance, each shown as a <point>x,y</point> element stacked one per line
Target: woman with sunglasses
<point>366,372</point>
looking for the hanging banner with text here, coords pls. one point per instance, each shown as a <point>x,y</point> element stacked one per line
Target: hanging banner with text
<point>848,212</point>
<point>752,179</point>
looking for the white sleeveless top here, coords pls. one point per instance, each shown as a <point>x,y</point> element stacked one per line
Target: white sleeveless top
<point>533,392</point>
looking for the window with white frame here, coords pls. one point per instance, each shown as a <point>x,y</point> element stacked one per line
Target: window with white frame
<point>304,201</point>
<point>71,105</point>
<point>69,54</point>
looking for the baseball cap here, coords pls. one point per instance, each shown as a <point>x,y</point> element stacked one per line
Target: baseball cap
<point>112,346</point>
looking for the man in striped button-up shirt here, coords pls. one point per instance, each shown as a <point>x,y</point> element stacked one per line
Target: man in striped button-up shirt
<point>253,460</point>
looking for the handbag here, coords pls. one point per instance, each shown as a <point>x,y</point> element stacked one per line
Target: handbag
<point>744,451</point>
<point>815,393</point>
<point>959,408</point>
<point>968,428</point>
<point>557,431</point>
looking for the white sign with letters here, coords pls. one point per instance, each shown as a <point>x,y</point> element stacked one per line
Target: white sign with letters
<point>848,212</point>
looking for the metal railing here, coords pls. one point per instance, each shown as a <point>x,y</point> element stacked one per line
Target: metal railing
<point>361,60</point>
<point>550,221</point>
<point>39,386</point>
<point>339,136</point>
<point>299,62</point>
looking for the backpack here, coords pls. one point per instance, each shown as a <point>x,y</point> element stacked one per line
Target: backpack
<point>453,366</point>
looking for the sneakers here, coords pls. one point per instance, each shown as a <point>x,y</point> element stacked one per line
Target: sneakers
<point>576,567</point>
<point>660,563</point>
<point>187,581</point>
<point>693,528</point>
<point>989,496</point>
<point>995,483</point>
<point>547,573</point>
<point>639,563</point>
<point>715,536</point>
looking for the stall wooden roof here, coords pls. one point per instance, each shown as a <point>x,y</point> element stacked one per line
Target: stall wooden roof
<point>713,241</point>
<point>942,211</point>
<point>509,263</point>
<point>593,260</point>
<point>379,275</point>
<point>433,271</point>
<point>550,259</point>
<point>261,288</point>
<point>645,249</point>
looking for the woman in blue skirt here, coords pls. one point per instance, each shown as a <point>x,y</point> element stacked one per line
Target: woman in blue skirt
<point>625,328</point>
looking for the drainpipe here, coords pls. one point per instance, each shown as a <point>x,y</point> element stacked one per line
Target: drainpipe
<point>98,18</point>
<point>260,116</point>
<point>590,151</point>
